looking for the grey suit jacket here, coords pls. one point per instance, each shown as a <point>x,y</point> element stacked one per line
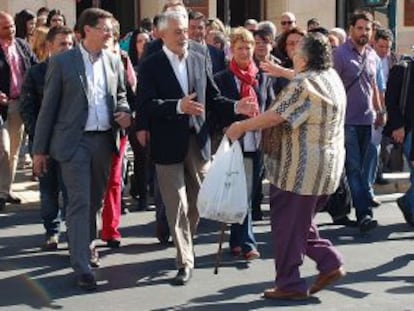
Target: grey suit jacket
<point>64,110</point>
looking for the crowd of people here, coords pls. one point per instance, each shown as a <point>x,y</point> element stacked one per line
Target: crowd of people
<point>315,111</point>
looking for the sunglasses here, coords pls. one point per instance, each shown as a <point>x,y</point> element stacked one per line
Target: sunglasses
<point>286,23</point>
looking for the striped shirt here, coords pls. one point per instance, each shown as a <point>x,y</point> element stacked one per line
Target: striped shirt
<point>309,151</point>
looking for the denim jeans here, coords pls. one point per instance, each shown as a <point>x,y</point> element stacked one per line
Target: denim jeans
<point>241,235</point>
<point>357,140</point>
<point>50,186</point>
<point>369,171</point>
<point>409,195</point>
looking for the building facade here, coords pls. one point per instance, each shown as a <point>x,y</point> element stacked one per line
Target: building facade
<point>398,15</point>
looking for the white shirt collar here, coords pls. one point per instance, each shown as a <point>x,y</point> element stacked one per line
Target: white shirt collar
<point>86,55</point>
<point>172,56</point>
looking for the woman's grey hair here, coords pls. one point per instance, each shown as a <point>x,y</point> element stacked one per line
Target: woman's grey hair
<point>168,16</point>
<point>339,33</point>
<point>316,49</point>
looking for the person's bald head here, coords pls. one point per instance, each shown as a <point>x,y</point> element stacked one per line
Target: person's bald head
<point>7,26</point>
<point>174,5</point>
<point>5,15</point>
<point>287,21</point>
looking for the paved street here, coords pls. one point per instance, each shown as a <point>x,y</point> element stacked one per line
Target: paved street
<point>136,277</point>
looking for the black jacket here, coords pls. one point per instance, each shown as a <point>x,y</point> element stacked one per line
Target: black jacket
<point>31,96</point>
<point>151,48</point>
<point>28,58</point>
<point>396,117</point>
<point>218,59</point>
<point>159,92</point>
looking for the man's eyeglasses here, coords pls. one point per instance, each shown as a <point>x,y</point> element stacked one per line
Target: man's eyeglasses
<point>263,42</point>
<point>104,29</point>
<point>286,23</point>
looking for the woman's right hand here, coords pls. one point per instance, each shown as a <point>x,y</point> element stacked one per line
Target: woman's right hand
<point>235,131</point>
<point>276,70</point>
<point>271,68</point>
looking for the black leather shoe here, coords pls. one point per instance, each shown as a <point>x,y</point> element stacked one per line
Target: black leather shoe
<point>124,211</point>
<point>405,210</point>
<point>2,204</point>
<point>13,199</point>
<point>381,181</point>
<point>345,221</point>
<point>162,233</point>
<point>113,243</point>
<point>87,282</point>
<point>51,244</point>
<point>374,202</point>
<point>183,276</point>
<point>367,224</point>
<point>94,261</point>
<point>142,204</point>
<point>257,215</point>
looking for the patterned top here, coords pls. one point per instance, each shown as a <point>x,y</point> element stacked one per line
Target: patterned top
<point>308,155</point>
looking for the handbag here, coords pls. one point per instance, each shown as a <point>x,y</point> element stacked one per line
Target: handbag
<point>223,193</point>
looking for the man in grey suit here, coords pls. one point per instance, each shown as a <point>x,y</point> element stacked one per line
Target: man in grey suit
<point>83,108</point>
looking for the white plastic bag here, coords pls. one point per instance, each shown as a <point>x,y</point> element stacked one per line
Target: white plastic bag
<point>223,193</point>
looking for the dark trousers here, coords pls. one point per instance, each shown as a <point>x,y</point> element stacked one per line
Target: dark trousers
<point>141,167</point>
<point>50,186</point>
<point>257,191</point>
<point>295,235</point>
<point>357,140</point>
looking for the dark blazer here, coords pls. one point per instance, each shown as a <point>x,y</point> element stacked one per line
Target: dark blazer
<point>28,58</point>
<point>397,119</point>
<point>218,59</point>
<point>150,49</point>
<point>64,110</point>
<point>226,82</point>
<point>160,91</point>
<point>31,96</point>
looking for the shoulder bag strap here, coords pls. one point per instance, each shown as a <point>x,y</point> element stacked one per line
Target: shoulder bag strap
<point>361,69</point>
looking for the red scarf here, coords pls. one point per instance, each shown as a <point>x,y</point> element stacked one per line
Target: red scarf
<point>248,80</point>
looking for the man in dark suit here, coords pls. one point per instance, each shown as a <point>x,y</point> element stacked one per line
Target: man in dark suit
<point>58,40</point>
<point>16,57</point>
<point>176,91</point>
<point>162,230</point>
<point>197,33</point>
<point>399,98</point>
<point>83,108</point>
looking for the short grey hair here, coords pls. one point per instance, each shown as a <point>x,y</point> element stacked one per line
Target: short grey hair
<point>268,26</point>
<point>339,33</point>
<point>168,16</point>
<point>250,21</point>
